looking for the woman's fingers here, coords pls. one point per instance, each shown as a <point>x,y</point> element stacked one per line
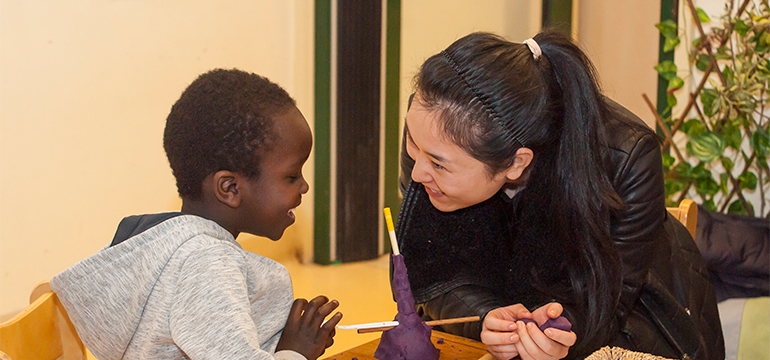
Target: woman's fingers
<point>526,345</point>
<point>547,311</point>
<point>498,324</point>
<point>503,352</point>
<point>499,338</point>
<point>566,338</point>
<point>535,344</point>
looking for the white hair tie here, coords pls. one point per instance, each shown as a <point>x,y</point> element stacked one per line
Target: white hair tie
<point>534,48</point>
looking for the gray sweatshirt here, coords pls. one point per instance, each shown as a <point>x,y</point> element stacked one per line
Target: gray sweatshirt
<point>181,289</point>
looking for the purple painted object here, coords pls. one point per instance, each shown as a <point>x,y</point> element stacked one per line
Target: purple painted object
<point>411,338</point>
<point>560,323</point>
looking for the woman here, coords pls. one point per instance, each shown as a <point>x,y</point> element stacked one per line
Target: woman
<point>530,191</point>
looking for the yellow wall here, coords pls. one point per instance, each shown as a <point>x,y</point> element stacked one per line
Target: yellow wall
<point>429,26</point>
<point>85,88</point>
<point>621,39</point>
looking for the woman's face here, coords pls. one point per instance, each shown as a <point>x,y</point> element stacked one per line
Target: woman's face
<point>452,178</point>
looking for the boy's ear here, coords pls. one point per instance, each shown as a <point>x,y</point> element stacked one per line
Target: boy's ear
<point>226,185</point>
<point>522,159</point>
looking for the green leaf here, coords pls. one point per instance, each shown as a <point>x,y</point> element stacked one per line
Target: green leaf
<point>674,84</point>
<point>671,100</point>
<point>706,147</point>
<point>666,69</point>
<point>703,62</point>
<point>745,157</point>
<point>762,162</point>
<point>733,136</point>
<point>761,44</point>
<point>707,97</point>
<point>706,186</point>
<point>684,170</point>
<point>723,53</point>
<point>723,181</point>
<point>736,207</point>
<point>701,172</point>
<point>729,76</point>
<point>702,15</point>
<point>668,29</point>
<point>673,186</point>
<point>696,42</point>
<point>709,205</point>
<point>741,27</point>
<point>760,142</point>
<point>748,180</point>
<point>670,44</point>
<point>764,67</point>
<point>693,127</point>
<point>668,160</point>
<point>727,164</point>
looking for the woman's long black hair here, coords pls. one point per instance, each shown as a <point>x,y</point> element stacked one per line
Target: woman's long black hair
<point>495,97</point>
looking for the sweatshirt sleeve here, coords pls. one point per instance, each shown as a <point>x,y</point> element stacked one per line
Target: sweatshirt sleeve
<point>211,315</point>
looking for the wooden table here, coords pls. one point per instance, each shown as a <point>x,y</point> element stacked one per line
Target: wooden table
<point>452,347</point>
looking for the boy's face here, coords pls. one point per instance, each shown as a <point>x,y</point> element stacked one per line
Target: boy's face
<point>269,201</point>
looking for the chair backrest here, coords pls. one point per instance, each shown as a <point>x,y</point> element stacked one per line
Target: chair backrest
<point>42,331</point>
<point>687,214</point>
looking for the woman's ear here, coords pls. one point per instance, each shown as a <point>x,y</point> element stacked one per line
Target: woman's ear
<point>226,188</point>
<point>521,160</point>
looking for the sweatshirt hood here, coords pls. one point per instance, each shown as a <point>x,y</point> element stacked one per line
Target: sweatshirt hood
<point>106,293</point>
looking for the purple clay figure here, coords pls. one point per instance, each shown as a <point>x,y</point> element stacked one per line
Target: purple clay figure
<point>411,338</point>
<point>560,323</point>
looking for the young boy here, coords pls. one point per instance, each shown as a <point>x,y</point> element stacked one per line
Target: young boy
<point>178,285</point>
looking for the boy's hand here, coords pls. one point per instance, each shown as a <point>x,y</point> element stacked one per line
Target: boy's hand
<point>304,332</point>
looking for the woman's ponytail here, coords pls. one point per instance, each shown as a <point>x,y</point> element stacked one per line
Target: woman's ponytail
<point>587,194</point>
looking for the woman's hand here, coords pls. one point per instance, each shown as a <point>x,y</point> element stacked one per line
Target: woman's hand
<point>505,337</point>
<point>498,332</point>
<point>305,331</point>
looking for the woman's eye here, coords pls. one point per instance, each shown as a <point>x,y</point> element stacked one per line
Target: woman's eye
<point>437,166</point>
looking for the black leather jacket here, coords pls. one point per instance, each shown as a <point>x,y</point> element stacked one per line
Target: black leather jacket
<point>659,259</point>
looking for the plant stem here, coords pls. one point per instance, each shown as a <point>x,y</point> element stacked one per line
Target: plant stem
<point>737,185</point>
<point>683,194</point>
<point>710,68</point>
<point>703,37</point>
<point>663,127</point>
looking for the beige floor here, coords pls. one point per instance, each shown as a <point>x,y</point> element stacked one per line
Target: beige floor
<point>362,288</point>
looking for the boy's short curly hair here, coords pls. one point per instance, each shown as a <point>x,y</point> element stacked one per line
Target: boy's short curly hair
<point>222,121</point>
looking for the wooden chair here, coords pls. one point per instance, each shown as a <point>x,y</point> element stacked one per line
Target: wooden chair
<point>42,331</point>
<point>687,214</point>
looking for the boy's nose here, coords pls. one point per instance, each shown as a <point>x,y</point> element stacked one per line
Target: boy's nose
<point>303,189</point>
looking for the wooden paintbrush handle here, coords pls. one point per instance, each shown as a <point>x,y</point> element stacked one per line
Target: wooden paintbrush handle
<point>429,323</point>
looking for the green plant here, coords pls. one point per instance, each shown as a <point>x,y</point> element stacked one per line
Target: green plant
<point>716,150</point>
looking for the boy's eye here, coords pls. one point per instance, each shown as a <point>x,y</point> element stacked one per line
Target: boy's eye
<point>437,166</point>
